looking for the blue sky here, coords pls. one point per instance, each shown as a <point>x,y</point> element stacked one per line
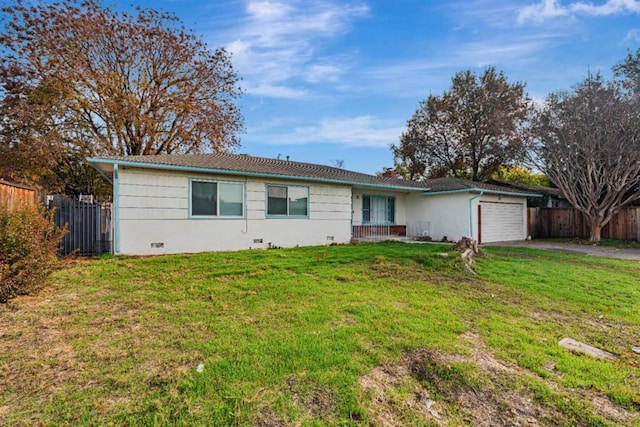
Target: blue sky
<point>337,80</point>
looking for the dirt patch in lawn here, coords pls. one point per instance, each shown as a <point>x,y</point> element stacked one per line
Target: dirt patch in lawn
<point>47,361</point>
<point>41,360</point>
<point>317,401</point>
<point>476,389</point>
<point>389,405</point>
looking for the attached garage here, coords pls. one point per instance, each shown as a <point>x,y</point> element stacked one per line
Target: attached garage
<point>456,208</point>
<point>501,221</point>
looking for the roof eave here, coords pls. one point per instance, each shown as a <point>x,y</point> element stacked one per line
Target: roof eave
<point>96,161</point>
<point>480,190</point>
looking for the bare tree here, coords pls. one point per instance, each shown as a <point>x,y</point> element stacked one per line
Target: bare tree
<point>468,132</point>
<point>115,82</point>
<point>589,146</point>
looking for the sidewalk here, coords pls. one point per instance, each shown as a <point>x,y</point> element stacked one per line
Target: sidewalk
<point>590,250</point>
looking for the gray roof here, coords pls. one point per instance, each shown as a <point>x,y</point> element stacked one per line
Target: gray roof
<point>540,189</point>
<point>243,165</point>
<point>240,164</point>
<point>452,185</point>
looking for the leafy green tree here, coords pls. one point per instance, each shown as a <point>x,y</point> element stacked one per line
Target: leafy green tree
<point>518,174</point>
<point>469,132</point>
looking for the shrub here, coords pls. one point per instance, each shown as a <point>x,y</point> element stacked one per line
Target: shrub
<point>29,243</point>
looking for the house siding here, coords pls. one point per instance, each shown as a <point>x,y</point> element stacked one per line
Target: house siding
<point>448,214</point>
<point>154,211</point>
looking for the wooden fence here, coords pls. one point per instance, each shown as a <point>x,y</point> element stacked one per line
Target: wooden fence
<point>13,195</point>
<point>570,223</point>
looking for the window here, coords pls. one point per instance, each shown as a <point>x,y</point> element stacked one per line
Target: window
<point>378,209</point>
<point>366,209</point>
<point>276,200</point>
<point>204,196</point>
<point>222,199</point>
<point>231,199</point>
<point>287,200</point>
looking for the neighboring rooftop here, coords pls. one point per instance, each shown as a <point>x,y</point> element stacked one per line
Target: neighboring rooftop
<point>449,185</point>
<point>550,191</point>
<point>242,165</point>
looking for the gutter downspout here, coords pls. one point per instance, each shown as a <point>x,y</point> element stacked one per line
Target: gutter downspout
<point>116,208</point>
<point>471,213</point>
<point>352,212</point>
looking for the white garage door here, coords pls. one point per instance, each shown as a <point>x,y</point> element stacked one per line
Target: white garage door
<point>501,222</point>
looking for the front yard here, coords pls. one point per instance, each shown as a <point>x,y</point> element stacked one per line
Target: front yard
<point>370,334</point>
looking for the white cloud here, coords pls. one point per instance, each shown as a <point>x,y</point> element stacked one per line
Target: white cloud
<point>493,51</point>
<point>546,9</point>
<point>275,91</point>
<point>277,42</point>
<point>267,11</point>
<point>549,9</point>
<point>323,73</point>
<point>479,14</point>
<point>416,78</point>
<point>611,7</point>
<point>632,36</point>
<point>360,131</point>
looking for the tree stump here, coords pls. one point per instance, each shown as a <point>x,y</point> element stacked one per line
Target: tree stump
<point>468,248</point>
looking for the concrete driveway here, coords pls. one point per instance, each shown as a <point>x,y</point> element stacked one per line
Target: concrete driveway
<point>589,250</point>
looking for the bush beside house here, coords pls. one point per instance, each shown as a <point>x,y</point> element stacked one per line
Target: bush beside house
<point>28,246</point>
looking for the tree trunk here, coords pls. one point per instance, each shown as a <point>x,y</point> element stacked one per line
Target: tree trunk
<point>595,227</point>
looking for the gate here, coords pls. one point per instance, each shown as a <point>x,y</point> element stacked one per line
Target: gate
<point>89,225</point>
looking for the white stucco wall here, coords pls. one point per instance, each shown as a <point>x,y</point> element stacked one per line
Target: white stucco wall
<point>153,208</point>
<point>448,214</point>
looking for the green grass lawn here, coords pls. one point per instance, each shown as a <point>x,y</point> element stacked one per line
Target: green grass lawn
<point>369,334</point>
